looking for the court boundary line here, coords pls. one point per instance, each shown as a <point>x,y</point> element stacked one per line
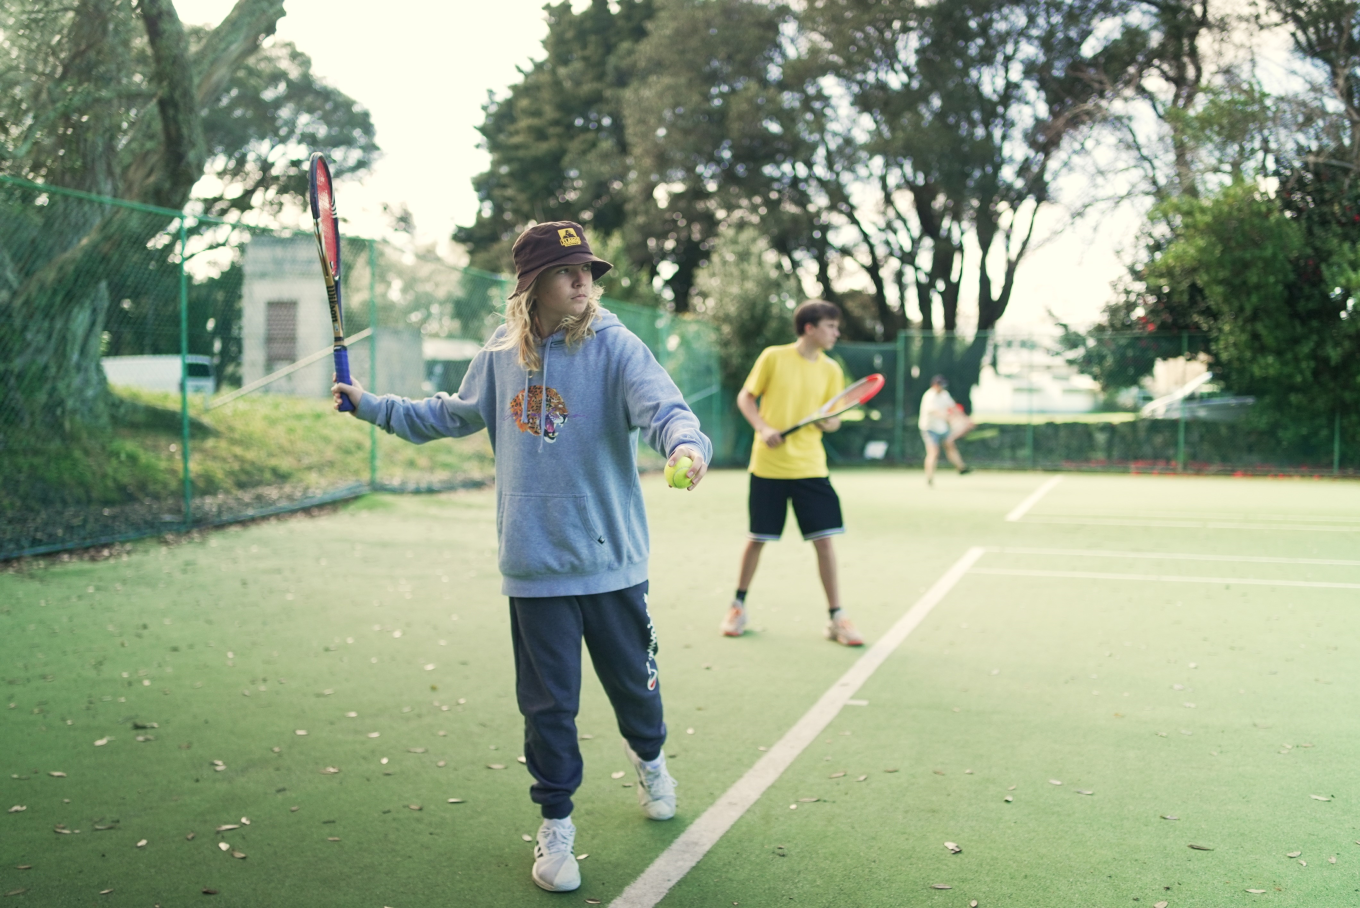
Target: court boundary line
<point>1021,509</point>
<point>1164,578</point>
<point>1191,524</point>
<point>671,866</point>
<point>1168,556</point>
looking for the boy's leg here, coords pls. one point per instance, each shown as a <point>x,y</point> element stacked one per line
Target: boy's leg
<point>546,632</point>
<point>767,507</point>
<point>622,642</point>
<point>750,559</point>
<point>826,567</point>
<point>951,451</point>
<point>932,455</point>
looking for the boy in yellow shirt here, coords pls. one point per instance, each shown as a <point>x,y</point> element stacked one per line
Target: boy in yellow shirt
<point>786,384</point>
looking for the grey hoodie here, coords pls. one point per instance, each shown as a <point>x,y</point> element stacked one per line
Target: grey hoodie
<point>569,512</point>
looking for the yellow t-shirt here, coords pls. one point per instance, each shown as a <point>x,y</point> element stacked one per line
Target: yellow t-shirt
<point>790,388</point>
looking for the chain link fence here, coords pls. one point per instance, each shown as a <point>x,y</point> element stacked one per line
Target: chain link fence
<point>213,340</point>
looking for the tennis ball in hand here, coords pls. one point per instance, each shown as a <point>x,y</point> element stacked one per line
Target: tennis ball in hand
<point>675,475</point>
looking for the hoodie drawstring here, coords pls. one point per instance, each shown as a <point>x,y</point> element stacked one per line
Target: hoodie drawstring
<point>543,399</point>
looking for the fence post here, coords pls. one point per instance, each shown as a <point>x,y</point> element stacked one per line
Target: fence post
<point>1336,445</point>
<point>1029,416</point>
<point>184,375</point>
<point>899,418</point>
<point>372,357</point>
<point>1180,423</point>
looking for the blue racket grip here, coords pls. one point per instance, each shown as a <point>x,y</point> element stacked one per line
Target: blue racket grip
<point>342,376</point>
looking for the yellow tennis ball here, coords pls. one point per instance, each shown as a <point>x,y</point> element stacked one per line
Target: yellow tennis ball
<point>675,475</point>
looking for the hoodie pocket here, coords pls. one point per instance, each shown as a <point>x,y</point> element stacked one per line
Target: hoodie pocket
<point>549,534</point>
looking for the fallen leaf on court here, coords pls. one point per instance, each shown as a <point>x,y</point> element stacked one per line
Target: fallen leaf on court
<point>332,838</point>
<point>294,809</point>
<point>972,904</point>
<point>300,731</point>
<point>102,741</point>
<point>20,808</point>
<point>1012,788</point>
<point>953,847</point>
<point>1256,891</point>
<point>374,734</point>
<point>456,800</point>
<point>351,715</point>
<point>689,731</point>
<point>938,772</point>
<point>591,901</point>
<point>225,826</point>
<point>521,759</point>
<point>807,800</point>
<point>617,775</point>
<point>24,867</point>
<point>16,892</point>
<point>1083,791</point>
<point>495,766</point>
<point>239,855</point>
<point>583,737</point>
<point>1294,854</point>
<point>1201,847</point>
<point>210,892</point>
<point>224,846</point>
<point>861,778</point>
<point>442,763</point>
<point>837,775</point>
<point>1167,816</point>
<point>1302,862</point>
<point>330,770</point>
<point>61,831</point>
<point>890,770</point>
<point>415,806</point>
<point>245,821</point>
<point>429,666</point>
<point>1008,799</point>
<point>526,837</point>
<point>582,857</point>
<point>1332,859</point>
<point>1319,797</point>
<point>1160,905</point>
<point>793,807</point>
<point>762,748</point>
<point>57,775</point>
<point>940,886</point>
<point>142,843</point>
<point>1054,782</point>
<point>189,837</point>
<point>415,750</point>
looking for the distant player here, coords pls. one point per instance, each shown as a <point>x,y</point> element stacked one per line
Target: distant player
<point>786,384</point>
<point>937,406</point>
<point>569,514</point>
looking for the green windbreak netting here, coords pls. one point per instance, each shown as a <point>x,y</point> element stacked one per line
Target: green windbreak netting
<point>162,372</point>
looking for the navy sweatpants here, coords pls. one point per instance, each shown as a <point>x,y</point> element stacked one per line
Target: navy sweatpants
<point>547,634</point>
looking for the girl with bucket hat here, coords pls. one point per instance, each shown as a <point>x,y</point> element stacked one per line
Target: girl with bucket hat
<point>570,521</point>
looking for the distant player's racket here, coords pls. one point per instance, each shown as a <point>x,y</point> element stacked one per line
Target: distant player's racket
<point>328,246</point>
<point>858,393</point>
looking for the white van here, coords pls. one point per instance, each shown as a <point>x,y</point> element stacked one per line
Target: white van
<point>160,373</point>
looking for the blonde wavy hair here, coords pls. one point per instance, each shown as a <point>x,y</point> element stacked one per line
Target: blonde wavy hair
<point>521,319</point>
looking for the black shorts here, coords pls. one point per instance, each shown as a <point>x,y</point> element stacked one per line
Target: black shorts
<point>815,505</point>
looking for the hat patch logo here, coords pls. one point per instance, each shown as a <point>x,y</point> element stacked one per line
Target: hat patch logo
<point>568,237</point>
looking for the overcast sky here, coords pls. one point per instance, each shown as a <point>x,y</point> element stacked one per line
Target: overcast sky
<point>424,68</point>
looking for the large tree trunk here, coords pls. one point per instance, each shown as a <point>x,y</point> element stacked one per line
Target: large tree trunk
<point>53,295</point>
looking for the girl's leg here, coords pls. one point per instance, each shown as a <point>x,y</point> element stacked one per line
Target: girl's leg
<point>932,455</point>
<point>546,633</point>
<point>618,631</point>
<point>952,452</point>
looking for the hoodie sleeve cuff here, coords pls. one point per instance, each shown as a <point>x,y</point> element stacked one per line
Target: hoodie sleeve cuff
<point>368,407</point>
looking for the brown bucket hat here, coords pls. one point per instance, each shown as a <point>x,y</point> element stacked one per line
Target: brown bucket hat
<point>554,243</point>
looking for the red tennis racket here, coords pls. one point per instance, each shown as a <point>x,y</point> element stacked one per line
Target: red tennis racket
<point>328,247</point>
<point>855,395</point>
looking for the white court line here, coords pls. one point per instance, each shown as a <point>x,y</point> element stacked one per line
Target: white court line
<point>692,844</point>
<point>1166,578</point>
<point>1169,556</point>
<point>1023,507</point>
<point>1191,524</point>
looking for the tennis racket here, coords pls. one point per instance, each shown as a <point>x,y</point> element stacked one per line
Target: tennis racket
<point>858,393</point>
<point>328,247</point>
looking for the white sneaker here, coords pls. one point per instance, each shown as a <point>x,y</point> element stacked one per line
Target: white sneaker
<point>656,788</point>
<point>734,625</point>
<point>555,867</point>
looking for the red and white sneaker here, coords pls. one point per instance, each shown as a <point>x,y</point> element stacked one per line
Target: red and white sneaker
<point>734,625</point>
<point>842,630</point>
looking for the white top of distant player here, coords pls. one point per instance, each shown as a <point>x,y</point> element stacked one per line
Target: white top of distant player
<point>935,407</point>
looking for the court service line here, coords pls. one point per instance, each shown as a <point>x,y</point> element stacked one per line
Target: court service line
<point>1169,556</point>
<point>1191,524</point>
<point>1166,578</point>
<point>1023,507</point>
<point>692,844</point>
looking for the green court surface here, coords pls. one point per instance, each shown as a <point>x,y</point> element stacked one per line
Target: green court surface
<point>1179,653</point>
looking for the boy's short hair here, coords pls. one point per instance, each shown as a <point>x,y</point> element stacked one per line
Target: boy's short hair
<point>812,313</point>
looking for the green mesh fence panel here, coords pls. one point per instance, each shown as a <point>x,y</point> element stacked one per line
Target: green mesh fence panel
<point>160,372</point>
